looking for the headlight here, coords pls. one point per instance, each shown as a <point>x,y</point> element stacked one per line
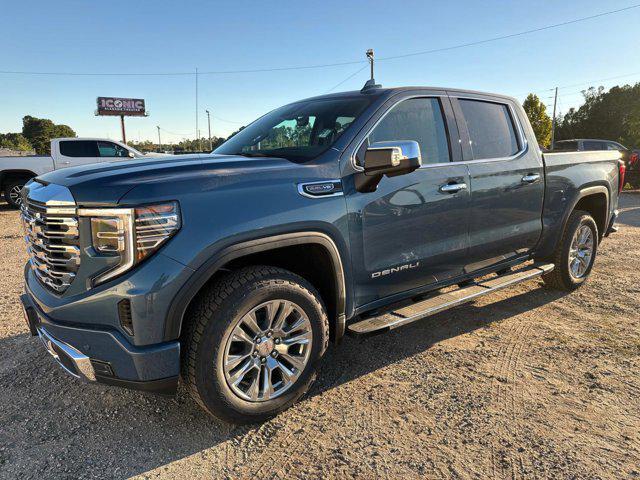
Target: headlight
<point>129,235</point>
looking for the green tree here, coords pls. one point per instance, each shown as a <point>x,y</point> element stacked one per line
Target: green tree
<point>15,141</point>
<point>40,131</point>
<point>608,115</point>
<point>540,121</point>
<point>63,131</point>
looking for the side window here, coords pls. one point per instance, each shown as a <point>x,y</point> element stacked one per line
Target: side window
<point>418,119</point>
<point>108,149</point>
<point>614,146</point>
<point>491,129</point>
<point>78,148</point>
<point>567,146</point>
<point>593,145</point>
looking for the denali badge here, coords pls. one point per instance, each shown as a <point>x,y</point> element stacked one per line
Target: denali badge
<point>328,188</point>
<point>391,270</point>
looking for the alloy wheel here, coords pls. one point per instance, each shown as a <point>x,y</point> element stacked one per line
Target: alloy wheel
<point>581,252</point>
<point>268,349</point>
<point>14,195</point>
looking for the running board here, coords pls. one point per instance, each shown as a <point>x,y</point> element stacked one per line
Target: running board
<point>417,311</point>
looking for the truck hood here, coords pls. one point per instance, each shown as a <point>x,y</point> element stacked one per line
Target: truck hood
<point>106,183</point>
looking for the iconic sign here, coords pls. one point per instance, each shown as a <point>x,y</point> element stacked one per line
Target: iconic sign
<point>133,107</point>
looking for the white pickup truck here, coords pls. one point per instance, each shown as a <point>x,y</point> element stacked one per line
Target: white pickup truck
<point>65,152</point>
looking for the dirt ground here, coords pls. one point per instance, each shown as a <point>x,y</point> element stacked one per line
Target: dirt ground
<point>525,383</point>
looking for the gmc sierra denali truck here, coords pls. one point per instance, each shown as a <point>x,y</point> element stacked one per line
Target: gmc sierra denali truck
<point>65,153</point>
<point>344,213</point>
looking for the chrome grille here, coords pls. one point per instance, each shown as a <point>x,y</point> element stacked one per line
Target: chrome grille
<point>51,235</point>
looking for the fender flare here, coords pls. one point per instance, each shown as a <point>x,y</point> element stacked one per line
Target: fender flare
<point>587,192</point>
<point>553,233</point>
<point>179,304</point>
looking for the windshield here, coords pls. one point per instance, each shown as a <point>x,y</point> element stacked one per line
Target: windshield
<point>298,132</point>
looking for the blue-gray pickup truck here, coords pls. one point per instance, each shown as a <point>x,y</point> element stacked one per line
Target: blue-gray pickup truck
<point>352,213</point>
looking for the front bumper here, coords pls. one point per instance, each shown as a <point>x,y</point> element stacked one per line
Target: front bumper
<point>105,356</point>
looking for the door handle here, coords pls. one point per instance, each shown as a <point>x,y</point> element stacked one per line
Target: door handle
<point>531,178</point>
<point>66,163</point>
<point>453,187</point>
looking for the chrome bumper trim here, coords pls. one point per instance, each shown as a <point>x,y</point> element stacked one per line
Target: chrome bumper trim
<point>80,361</point>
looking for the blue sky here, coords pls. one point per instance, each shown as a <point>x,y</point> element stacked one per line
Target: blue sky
<point>164,36</point>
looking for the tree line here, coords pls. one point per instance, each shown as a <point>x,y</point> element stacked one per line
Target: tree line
<point>607,115</point>
<point>36,135</point>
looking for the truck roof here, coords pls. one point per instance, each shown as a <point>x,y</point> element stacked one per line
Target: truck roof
<point>388,91</point>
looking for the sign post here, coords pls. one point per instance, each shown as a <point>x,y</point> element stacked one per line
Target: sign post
<point>121,107</point>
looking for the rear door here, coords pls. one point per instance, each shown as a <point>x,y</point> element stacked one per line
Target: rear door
<point>409,233</point>
<point>507,181</point>
<point>72,153</point>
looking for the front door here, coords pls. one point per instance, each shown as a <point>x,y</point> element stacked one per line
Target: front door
<point>507,181</point>
<point>411,232</point>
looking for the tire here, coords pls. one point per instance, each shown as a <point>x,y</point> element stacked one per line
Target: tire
<point>213,336</point>
<point>10,192</point>
<point>562,277</point>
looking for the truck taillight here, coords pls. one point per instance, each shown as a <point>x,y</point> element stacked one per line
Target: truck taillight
<point>622,169</point>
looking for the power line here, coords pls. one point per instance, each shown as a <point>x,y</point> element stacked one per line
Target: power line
<point>176,134</point>
<point>336,64</point>
<point>579,84</point>
<point>348,78</point>
<point>512,35</point>
<point>228,121</point>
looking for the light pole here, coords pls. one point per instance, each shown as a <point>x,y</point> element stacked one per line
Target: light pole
<point>209,123</point>
<point>159,141</point>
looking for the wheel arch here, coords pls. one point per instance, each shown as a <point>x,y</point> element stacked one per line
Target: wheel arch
<point>235,256</point>
<point>596,201</point>
<point>8,175</point>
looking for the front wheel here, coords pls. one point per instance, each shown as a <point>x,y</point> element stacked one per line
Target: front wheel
<point>254,340</point>
<point>12,191</point>
<point>575,254</point>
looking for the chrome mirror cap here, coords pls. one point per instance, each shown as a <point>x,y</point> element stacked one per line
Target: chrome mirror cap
<point>402,150</point>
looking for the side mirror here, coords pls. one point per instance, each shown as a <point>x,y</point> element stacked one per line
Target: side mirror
<point>388,158</point>
<point>131,155</point>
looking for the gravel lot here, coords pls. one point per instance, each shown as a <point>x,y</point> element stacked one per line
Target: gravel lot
<point>524,383</point>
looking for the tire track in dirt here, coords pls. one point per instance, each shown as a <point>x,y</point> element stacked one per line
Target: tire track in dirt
<point>506,392</point>
<point>278,447</point>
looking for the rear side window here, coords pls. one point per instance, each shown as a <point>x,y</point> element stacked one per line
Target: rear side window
<point>567,146</point>
<point>418,119</point>
<point>491,129</point>
<point>591,145</point>
<point>80,148</point>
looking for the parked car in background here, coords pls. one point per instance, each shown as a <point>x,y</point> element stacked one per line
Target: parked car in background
<point>65,152</point>
<point>629,156</point>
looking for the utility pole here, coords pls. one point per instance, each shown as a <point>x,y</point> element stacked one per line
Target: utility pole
<point>124,135</point>
<point>553,122</point>
<point>159,141</point>
<point>197,130</point>
<point>209,124</point>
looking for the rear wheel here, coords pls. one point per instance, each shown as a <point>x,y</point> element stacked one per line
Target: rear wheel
<point>12,191</point>
<point>575,254</point>
<point>255,338</point>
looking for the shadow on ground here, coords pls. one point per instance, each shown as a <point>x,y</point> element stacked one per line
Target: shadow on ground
<point>145,432</point>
